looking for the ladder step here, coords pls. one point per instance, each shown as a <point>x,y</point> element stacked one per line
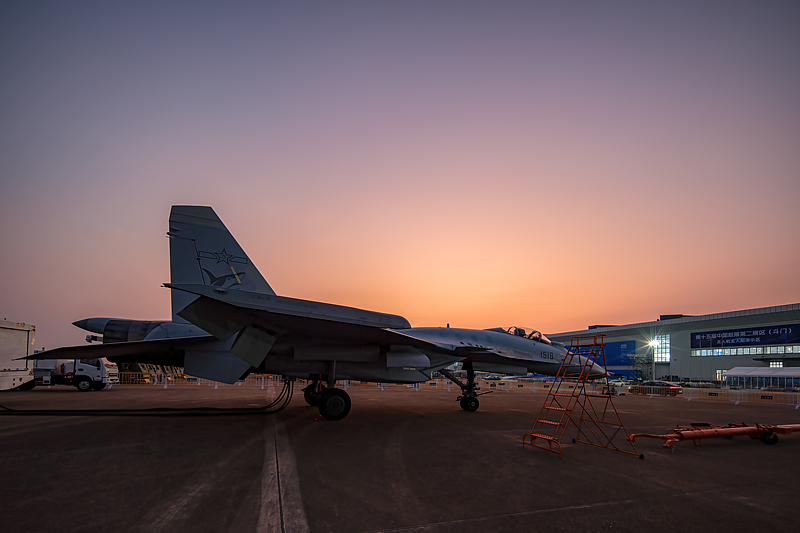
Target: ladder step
<point>549,422</point>
<point>561,394</point>
<point>540,436</point>
<point>557,408</point>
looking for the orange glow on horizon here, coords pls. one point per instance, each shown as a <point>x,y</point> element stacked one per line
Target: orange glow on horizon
<point>492,166</point>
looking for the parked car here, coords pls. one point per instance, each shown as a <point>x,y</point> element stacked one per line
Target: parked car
<point>662,388</point>
<point>781,389</point>
<point>699,384</point>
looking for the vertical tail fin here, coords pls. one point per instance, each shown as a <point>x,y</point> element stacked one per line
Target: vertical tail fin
<point>202,250</point>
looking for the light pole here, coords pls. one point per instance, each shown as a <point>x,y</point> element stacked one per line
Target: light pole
<point>654,344</point>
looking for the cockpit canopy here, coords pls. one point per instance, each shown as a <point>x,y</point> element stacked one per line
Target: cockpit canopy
<point>528,333</point>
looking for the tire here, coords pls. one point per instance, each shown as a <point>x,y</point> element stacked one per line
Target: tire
<point>769,438</point>
<point>470,403</point>
<point>83,384</point>
<point>98,385</point>
<point>334,404</point>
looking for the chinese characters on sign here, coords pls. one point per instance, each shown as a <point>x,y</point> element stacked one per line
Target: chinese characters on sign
<point>620,353</point>
<point>787,333</point>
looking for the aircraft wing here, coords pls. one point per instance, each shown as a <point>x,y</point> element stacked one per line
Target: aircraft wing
<point>443,347</point>
<point>269,322</point>
<point>145,349</point>
<point>282,305</point>
<point>224,313</point>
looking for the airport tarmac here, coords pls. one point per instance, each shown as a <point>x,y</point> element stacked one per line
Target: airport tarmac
<point>403,460</point>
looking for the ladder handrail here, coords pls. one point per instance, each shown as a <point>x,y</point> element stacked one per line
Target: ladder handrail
<point>590,420</point>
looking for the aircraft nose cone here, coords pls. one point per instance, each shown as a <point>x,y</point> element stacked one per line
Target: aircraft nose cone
<point>81,323</point>
<point>95,325</point>
<point>598,372</point>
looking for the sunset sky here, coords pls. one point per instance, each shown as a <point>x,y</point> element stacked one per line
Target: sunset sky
<point>483,164</point>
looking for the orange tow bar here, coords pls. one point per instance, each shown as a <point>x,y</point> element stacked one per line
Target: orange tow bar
<point>768,433</point>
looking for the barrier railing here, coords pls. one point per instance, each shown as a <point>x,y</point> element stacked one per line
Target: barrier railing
<point>655,391</point>
<point>182,380</point>
<point>165,380</point>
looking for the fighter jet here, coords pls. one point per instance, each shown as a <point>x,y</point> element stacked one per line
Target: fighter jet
<point>229,323</point>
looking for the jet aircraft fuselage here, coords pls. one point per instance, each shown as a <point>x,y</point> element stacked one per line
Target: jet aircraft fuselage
<point>228,322</point>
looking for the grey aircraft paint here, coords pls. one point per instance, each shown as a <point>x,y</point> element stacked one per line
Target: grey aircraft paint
<point>228,322</point>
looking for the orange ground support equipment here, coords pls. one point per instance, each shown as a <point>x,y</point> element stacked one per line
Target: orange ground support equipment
<point>768,433</point>
<point>594,415</point>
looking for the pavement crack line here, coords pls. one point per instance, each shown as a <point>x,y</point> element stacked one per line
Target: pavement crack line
<point>278,477</point>
<point>159,519</point>
<point>423,527</point>
<point>179,506</point>
<point>281,508</point>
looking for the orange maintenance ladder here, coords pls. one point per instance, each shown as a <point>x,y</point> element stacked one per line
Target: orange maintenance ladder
<point>597,419</point>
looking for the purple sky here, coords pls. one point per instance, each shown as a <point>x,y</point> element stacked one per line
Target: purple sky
<point>478,163</point>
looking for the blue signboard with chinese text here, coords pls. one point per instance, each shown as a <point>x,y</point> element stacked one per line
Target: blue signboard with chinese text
<point>620,353</point>
<point>750,336</point>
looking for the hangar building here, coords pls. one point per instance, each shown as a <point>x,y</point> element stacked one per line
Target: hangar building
<point>700,348</point>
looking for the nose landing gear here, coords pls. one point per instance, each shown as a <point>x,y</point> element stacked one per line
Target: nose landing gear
<point>469,392</point>
<point>469,403</point>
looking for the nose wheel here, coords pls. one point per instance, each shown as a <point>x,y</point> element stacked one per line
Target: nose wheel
<point>469,403</point>
<point>469,392</point>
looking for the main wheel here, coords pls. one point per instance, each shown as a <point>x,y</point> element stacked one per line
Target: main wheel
<point>84,384</point>
<point>311,397</point>
<point>470,403</point>
<point>98,385</point>
<point>769,438</point>
<point>334,404</point>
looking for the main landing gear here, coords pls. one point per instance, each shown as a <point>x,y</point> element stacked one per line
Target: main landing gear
<point>333,403</point>
<point>469,392</point>
<point>313,392</point>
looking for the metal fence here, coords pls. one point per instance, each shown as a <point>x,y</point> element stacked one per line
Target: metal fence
<point>726,395</point>
<point>267,380</point>
<point>182,380</point>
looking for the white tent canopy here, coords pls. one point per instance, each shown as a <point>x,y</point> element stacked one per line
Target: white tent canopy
<point>762,372</point>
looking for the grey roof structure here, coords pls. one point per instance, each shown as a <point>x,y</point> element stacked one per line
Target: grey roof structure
<point>733,318</point>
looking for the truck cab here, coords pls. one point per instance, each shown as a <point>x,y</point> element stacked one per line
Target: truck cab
<point>83,374</point>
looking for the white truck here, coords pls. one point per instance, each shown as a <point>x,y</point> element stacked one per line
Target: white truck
<point>83,374</point>
<point>16,340</point>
